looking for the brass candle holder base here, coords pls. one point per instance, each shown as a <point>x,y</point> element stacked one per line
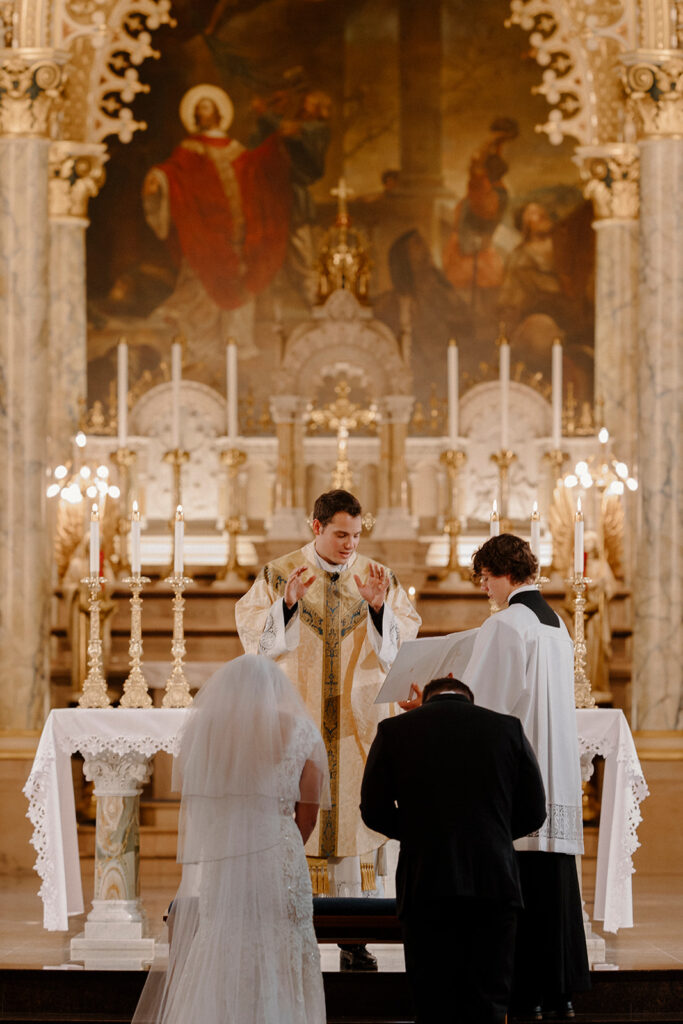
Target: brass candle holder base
<point>94,693</point>
<point>135,690</point>
<point>177,692</point>
<point>583,698</point>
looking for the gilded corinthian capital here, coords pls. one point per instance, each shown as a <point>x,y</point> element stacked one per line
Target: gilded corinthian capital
<point>610,176</point>
<point>30,85</point>
<point>653,80</point>
<point>76,175</point>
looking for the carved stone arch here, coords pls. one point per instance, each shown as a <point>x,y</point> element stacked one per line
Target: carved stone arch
<point>579,44</point>
<point>343,338</point>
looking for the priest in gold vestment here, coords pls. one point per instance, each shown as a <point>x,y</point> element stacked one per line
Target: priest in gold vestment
<point>334,622</point>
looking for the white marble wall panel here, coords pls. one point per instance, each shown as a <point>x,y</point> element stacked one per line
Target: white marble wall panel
<point>24,572</point>
<point>658,640</point>
<point>616,290</point>
<point>68,333</point>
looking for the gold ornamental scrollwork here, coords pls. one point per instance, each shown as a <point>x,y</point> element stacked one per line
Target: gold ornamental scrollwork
<point>30,86</point>
<point>76,175</point>
<point>654,84</point>
<point>610,176</point>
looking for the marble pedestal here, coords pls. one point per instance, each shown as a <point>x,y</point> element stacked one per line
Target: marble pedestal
<point>115,931</point>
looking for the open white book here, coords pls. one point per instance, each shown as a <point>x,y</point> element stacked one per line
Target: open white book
<point>430,657</point>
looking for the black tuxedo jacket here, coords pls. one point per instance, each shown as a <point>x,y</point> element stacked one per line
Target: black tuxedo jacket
<point>455,783</point>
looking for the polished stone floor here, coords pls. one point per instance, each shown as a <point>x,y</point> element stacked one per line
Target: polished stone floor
<point>655,942</point>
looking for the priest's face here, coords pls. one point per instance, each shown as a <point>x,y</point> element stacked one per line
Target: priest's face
<point>337,540</point>
<point>498,588</point>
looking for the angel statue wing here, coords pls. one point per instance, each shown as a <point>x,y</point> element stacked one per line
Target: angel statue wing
<point>562,529</point>
<point>613,532</point>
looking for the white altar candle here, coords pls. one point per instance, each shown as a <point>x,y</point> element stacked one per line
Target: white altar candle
<point>176,380</point>
<point>578,540</point>
<point>122,391</point>
<point>504,394</point>
<point>557,394</point>
<point>453,394</point>
<point>94,541</point>
<point>535,543</point>
<point>494,521</point>
<point>135,539</point>
<point>232,423</point>
<point>178,542</point>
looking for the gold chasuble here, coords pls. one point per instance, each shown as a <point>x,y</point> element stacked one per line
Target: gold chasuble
<point>337,659</point>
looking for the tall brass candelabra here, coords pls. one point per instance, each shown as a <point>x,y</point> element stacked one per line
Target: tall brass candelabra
<point>94,693</point>
<point>177,693</point>
<point>135,692</point>
<point>454,460</point>
<point>503,459</point>
<point>232,459</point>
<point>583,698</point>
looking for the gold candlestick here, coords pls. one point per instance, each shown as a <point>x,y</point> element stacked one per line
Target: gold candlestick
<point>124,459</point>
<point>177,693</point>
<point>177,458</point>
<point>583,698</point>
<point>135,692</point>
<point>453,459</point>
<point>503,459</point>
<point>94,693</point>
<point>232,459</point>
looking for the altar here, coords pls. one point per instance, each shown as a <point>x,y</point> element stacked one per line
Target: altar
<point>117,746</point>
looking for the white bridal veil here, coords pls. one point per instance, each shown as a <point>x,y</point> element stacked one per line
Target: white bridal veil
<point>248,754</point>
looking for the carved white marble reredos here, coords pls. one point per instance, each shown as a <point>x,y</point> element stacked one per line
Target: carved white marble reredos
<point>202,421</point>
<point>24,564</point>
<point>30,84</point>
<point>658,634</point>
<point>343,339</point>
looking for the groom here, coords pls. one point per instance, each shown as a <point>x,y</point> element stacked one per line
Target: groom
<point>455,784</point>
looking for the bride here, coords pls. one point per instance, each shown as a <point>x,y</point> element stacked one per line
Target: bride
<point>252,769</point>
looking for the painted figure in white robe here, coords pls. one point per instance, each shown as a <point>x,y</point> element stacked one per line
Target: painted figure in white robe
<point>334,621</point>
<point>523,665</point>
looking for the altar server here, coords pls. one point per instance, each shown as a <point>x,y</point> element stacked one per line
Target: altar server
<point>523,664</point>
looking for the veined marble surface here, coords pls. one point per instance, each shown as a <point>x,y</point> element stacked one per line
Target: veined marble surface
<point>616,328</point>
<point>24,564</point>
<point>68,333</point>
<point>658,635</point>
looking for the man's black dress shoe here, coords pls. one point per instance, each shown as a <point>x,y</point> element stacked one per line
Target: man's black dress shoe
<point>562,1009</point>
<point>356,958</point>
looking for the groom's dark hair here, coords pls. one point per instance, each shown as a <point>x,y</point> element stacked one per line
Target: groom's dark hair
<point>447,683</point>
<point>331,502</point>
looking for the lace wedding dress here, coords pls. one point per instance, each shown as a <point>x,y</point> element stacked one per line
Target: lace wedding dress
<point>242,945</point>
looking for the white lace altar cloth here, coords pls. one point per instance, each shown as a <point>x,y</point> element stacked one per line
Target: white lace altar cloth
<point>52,813</point>
<point>49,789</point>
<point>605,732</point>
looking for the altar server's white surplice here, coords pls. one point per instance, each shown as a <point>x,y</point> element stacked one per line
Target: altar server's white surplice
<point>519,666</point>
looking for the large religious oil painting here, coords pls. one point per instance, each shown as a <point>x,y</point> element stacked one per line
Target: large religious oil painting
<point>212,220</point>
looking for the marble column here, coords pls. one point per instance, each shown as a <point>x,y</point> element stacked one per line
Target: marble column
<point>393,515</point>
<point>289,515</point>
<point>654,82</point>
<point>30,81</point>
<point>76,173</point>
<point>610,174</point>
<point>115,928</point>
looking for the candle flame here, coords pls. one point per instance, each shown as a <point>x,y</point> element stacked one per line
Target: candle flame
<point>579,512</point>
<point>534,511</point>
<point>179,512</point>
<point>494,510</point>
<point>95,514</point>
<point>136,511</point>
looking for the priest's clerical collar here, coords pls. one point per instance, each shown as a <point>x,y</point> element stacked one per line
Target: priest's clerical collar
<point>329,566</point>
<point>520,590</point>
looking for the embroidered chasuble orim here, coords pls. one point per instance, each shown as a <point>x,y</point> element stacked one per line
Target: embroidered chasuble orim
<point>337,659</point>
